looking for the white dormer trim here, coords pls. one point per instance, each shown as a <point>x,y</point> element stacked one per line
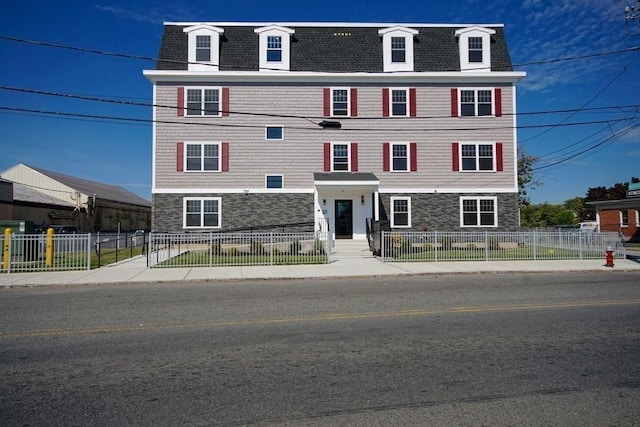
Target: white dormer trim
<point>463,36</point>
<point>398,31</point>
<point>285,34</point>
<point>204,30</point>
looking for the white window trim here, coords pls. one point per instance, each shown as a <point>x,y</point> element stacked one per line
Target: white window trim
<point>463,44</point>
<point>202,89</point>
<point>202,144</point>
<point>273,174</point>
<point>408,146</point>
<point>285,34</point>
<point>477,144</point>
<point>622,224</point>
<point>477,199</point>
<point>204,30</point>
<point>348,89</point>
<point>273,139</point>
<point>348,144</point>
<point>201,199</point>
<point>397,31</point>
<point>393,216</point>
<point>408,97</point>
<point>476,90</point>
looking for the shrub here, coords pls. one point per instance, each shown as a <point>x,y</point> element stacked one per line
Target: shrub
<point>318,247</point>
<point>232,251</point>
<point>493,243</point>
<point>427,247</point>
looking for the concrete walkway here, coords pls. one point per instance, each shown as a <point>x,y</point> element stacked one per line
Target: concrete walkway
<point>136,271</point>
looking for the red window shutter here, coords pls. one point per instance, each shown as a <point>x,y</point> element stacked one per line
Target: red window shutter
<point>412,102</point>
<point>413,150</point>
<point>354,157</point>
<point>385,157</point>
<point>454,102</point>
<point>327,157</point>
<point>180,157</point>
<point>225,157</point>
<point>455,157</point>
<point>354,102</point>
<point>385,102</point>
<point>225,101</point>
<point>499,164</point>
<point>327,102</point>
<point>498,97</point>
<point>180,101</point>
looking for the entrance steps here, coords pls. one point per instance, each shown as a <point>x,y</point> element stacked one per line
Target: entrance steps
<point>347,248</point>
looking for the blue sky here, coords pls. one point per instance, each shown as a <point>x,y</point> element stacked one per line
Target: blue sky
<point>606,151</point>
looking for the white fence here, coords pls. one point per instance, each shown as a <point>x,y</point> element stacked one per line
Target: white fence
<point>495,246</point>
<point>218,249</point>
<point>28,252</point>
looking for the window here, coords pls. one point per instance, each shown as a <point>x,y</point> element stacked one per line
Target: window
<point>399,102</point>
<point>478,212</point>
<point>624,218</point>
<point>340,102</point>
<point>476,102</point>
<point>202,212</point>
<point>202,157</point>
<point>274,49</point>
<point>477,157</point>
<point>340,157</point>
<point>203,48</point>
<point>203,102</point>
<point>274,133</point>
<point>475,49</point>
<point>401,212</point>
<point>274,181</point>
<point>399,157</point>
<point>398,49</point>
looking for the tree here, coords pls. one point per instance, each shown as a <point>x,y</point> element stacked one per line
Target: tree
<point>525,176</point>
<point>598,194</point>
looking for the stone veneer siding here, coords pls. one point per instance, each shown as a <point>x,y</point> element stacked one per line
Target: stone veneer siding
<point>441,212</point>
<point>238,211</point>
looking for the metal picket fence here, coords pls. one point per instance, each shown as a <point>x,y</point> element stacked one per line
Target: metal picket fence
<point>28,252</point>
<point>497,246</point>
<point>229,249</point>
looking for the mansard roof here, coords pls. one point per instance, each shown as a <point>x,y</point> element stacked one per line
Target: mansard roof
<point>332,48</point>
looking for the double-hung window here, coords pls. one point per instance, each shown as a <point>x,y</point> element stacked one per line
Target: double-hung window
<point>478,212</point>
<point>399,157</point>
<point>398,49</point>
<point>400,211</point>
<point>477,157</point>
<point>202,212</point>
<point>203,48</point>
<point>203,102</point>
<point>475,49</point>
<point>476,102</point>
<point>274,49</point>
<point>624,218</point>
<point>340,102</point>
<point>202,157</point>
<point>399,102</point>
<point>340,157</point>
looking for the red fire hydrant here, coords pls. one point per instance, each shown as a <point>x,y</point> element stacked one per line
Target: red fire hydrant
<point>609,257</point>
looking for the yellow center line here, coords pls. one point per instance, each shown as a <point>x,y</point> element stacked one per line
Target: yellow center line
<point>319,318</point>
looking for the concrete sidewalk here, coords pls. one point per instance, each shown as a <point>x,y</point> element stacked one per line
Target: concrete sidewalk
<point>136,271</point>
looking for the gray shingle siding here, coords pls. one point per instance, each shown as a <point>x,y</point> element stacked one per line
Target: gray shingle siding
<point>331,49</point>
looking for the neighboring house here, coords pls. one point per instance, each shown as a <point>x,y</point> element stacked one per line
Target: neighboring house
<point>620,216</point>
<point>46,198</point>
<point>333,124</point>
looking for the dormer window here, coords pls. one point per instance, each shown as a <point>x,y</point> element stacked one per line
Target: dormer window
<point>204,47</point>
<point>475,48</point>
<point>397,48</point>
<point>275,47</point>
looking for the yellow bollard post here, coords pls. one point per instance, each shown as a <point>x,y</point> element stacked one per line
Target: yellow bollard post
<point>49,248</point>
<point>6,256</point>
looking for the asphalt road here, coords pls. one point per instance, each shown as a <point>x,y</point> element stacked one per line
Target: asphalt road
<point>546,349</point>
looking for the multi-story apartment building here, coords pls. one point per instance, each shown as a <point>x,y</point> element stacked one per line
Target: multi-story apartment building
<point>261,125</point>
